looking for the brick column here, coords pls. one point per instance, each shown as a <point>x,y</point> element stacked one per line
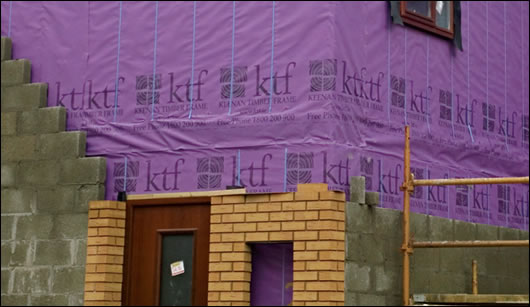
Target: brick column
<point>105,244</point>
<point>312,218</point>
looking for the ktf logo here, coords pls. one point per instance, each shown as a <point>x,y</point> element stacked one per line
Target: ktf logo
<point>164,179</point>
<point>88,98</point>
<point>253,174</point>
<point>234,81</point>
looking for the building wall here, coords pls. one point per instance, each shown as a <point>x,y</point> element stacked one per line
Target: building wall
<point>374,260</point>
<point>46,185</point>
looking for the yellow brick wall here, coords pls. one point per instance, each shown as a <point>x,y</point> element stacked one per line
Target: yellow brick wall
<point>312,218</point>
<point>104,262</point>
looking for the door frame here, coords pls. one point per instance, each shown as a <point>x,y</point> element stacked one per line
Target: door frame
<point>131,205</point>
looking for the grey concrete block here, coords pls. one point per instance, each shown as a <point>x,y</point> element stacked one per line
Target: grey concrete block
<point>76,299</point>
<point>15,300</point>
<point>18,200</point>
<point>486,232</point>
<point>63,145</point>
<point>357,278</point>
<point>457,260</point>
<point>353,251</point>
<point>6,275</point>
<point>488,284</point>
<point>56,252</point>
<point>39,173</point>
<point>371,300</point>
<point>70,226</point>
<point>50,300</point>
<point>388,223</point>
<point>40,121</point>
<point>350,298</point>
<point>86,193</point>
<point>33,227</point>
<point>387,280</point>
<point>420,280</point>
<point>426,258</point>
<point>359,219</point>
<point>80,258</point>
<point>9,175</point>
<point>56,199</point>
<point>21,253</point>
<point>440,229</point>
<point>83,171</point>
<point>7,227</point>
<point>34,280</point>
<point>392,252</point>
<point>18,148</point>
<point>508,233</point>
<point>357,189</point>
<point>371,249</point>
<point>444,282</point>
<point>419,227</point>
<point>69,280</point>
<point>16,72</point>
<point>6,253</point>
<point>25,97</point>
<point>6,48</point>
<point>372,198</point>
<point>9,123</point>
<point>393,300</point>
<point>464,231</point>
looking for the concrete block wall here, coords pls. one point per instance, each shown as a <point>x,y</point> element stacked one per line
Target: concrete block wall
<point>312,218</point>
<point>373,269</point>
<point>46,184</point>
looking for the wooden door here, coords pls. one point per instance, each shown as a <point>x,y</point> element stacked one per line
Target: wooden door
<point>157,235</point>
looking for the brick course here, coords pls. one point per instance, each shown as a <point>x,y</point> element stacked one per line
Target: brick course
<point>104,270</point>
<point>312,218</point>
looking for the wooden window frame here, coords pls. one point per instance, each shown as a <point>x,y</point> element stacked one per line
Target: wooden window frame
<point>428,23</point>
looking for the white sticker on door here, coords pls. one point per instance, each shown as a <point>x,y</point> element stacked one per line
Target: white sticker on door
<point>177,268</point>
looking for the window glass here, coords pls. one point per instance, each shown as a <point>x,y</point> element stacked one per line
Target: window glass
<point>442,14</point>
<point>419,7</point>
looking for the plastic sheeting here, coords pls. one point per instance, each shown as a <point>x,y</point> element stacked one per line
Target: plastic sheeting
<point>185,96</point>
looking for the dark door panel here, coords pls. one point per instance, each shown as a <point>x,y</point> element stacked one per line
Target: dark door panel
<point>158,235</point>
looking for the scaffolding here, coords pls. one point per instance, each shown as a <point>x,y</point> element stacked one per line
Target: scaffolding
<point>408,246</point>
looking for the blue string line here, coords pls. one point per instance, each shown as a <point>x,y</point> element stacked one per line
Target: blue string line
<point>272,57</point>
<point>427,194</point>
<point>405,76</point>
<point>117,65</point>
<point>452,100</point>
<point>285,171</point>
<point>9,24</point>
<point>233,45</point>
<point>522,63</point>
<point>505,70</point>
<point>125,176</point>
<point>238,167</point>
<point>468,83</point>
<point>388,69</point>
<point>427,89</point>
<point>488,201</point>
<point>382,191</point>
<point>154,63</point>
<point>193,57</point>
<point>487,68</point>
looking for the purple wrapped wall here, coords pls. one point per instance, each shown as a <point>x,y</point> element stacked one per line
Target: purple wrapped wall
<point>283,93</point>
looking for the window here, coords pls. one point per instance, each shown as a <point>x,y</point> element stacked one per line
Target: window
<point>432,16</point>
